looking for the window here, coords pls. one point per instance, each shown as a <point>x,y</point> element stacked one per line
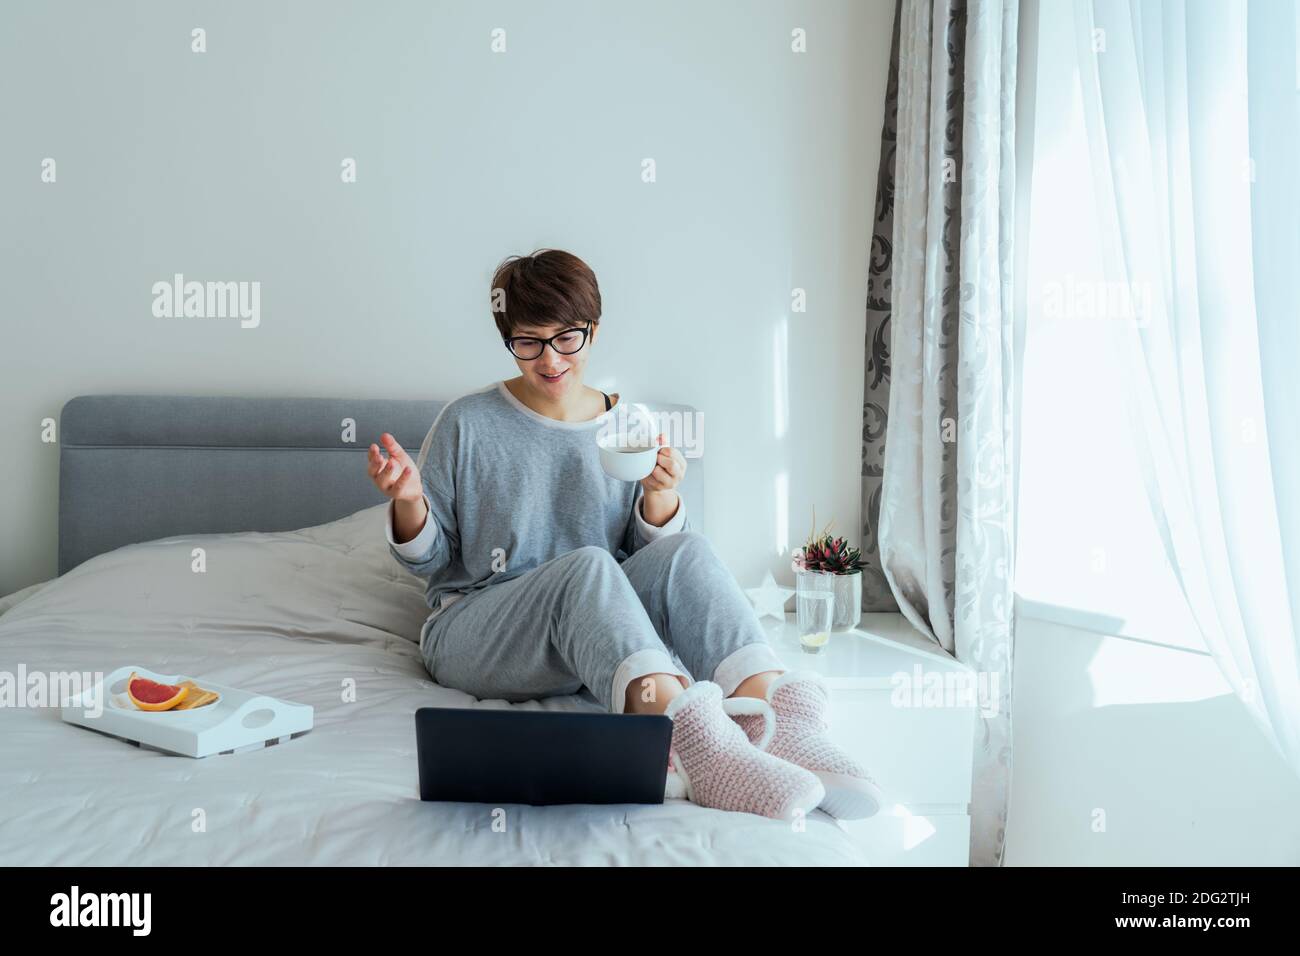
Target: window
<point>1088,552</point>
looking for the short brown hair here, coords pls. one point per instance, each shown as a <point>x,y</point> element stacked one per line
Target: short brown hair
<point>549,287</point>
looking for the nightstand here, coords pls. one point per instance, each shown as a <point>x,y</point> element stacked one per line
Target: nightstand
<point>907,711</point>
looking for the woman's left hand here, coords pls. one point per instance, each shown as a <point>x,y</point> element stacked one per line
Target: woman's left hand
<point>669,469</point>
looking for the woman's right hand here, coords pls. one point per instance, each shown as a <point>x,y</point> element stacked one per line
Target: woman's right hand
<point>396,476</point>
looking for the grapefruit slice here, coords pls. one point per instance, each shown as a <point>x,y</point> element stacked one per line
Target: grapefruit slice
<point>151,695</point>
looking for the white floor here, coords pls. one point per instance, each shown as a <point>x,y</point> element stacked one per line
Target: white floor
<point>1134,754</point>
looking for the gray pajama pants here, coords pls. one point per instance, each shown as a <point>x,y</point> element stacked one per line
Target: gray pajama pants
<point>584,619</point>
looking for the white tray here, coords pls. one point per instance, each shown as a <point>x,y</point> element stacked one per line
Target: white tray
<point>239,720</point>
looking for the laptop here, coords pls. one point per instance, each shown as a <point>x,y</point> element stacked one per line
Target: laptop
<point>541,757</point>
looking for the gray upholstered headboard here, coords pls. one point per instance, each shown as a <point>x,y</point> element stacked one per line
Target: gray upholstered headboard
<point>141,467</point>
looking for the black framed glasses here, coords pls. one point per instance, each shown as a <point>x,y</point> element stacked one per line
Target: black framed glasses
<point>566,343</point>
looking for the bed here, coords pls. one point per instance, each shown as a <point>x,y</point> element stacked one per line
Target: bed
<point>297,598</point>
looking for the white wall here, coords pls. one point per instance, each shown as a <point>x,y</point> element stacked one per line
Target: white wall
<point>225,166</point>
<point>1151,737</point>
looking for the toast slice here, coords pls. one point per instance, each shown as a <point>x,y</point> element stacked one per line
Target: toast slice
<point>197,697</point>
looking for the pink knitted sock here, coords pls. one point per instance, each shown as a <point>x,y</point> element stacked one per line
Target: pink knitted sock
<point>722,770</point>
<point>801,701</point>
<point>751,724</point>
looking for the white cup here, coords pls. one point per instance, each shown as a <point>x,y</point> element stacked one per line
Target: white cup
<point>623,464</point>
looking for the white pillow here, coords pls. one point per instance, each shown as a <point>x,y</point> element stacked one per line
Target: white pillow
<point>329,582</point>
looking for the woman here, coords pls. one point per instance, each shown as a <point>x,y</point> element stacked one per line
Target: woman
<point>519,531</point>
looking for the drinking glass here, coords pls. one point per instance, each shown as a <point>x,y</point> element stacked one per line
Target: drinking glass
<point>814,608</point>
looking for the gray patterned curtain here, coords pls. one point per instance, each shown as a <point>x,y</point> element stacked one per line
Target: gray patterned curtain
<point>876,595</point>
<point>939,500</point>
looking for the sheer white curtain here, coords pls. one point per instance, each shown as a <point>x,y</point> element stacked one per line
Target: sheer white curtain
<point>1189,179</point>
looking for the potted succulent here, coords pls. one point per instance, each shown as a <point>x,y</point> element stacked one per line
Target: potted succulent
<point>822,552</point>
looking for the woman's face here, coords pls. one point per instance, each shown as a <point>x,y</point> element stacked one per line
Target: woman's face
<point>551,373</point>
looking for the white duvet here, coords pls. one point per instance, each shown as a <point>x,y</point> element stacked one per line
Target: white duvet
<point>305,616</point>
